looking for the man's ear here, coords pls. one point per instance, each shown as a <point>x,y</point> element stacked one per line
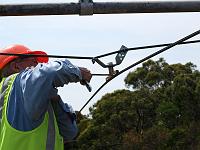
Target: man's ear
<point>13,66</point>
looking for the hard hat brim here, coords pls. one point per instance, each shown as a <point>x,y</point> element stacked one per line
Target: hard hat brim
<point>39,59</point>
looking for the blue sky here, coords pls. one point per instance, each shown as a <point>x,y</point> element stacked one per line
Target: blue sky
<point>99,34</point>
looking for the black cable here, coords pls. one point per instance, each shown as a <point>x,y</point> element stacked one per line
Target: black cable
<point>168,46</point>
<point>140,61</point>
<point>99,74</point>
<point>145,47</point>
<point>107,54</point>
<point>50,56</point>
<point>133,65</point>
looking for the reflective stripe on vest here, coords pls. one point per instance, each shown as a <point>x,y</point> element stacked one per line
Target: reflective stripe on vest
<point>51,130</point>
<point>2,94</point>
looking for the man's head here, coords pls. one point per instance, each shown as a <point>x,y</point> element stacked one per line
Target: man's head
<point>13,64</point>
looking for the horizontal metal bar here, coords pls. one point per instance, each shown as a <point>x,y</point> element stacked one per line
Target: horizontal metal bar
<point>99,8</point>
<point>147,7</point>
<point>39,9</point>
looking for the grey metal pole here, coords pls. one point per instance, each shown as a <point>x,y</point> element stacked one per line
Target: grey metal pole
<point>90,8</point>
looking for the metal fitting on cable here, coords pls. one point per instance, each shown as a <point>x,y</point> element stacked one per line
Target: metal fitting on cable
<point>111,70</point>
<point>86,7</point>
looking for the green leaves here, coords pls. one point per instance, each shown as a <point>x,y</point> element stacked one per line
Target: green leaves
<point>168,115</point>
<point>161,112</point>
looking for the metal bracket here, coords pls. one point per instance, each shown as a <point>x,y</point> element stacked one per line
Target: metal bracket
<point>86,7</point>
<point>119,58</point>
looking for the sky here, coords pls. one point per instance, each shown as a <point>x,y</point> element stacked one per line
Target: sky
<point>99,34</point>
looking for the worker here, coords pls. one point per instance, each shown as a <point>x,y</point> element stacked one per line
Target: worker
<point>33,115</point>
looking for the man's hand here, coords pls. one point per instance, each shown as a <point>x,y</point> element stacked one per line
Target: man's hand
<point>86,75</point>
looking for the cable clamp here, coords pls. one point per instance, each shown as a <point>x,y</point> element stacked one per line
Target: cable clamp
<point>111,71</point>
<point>119,58</point>
<point>86,7</point>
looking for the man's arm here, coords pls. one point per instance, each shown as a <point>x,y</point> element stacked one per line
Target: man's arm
<point>38,84</point>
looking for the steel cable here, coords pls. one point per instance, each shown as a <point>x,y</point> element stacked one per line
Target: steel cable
<point>145,47</point>
<point>168,46</point>
<point>99,56</point>
<point>140,61</point>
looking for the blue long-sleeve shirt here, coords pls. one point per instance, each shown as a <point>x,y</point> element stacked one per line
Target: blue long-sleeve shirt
<point>32,91</point>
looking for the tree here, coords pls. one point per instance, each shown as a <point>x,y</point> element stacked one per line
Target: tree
<point>162,111</point>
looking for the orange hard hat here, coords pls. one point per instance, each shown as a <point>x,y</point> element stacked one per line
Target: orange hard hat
<point>19,49</point>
